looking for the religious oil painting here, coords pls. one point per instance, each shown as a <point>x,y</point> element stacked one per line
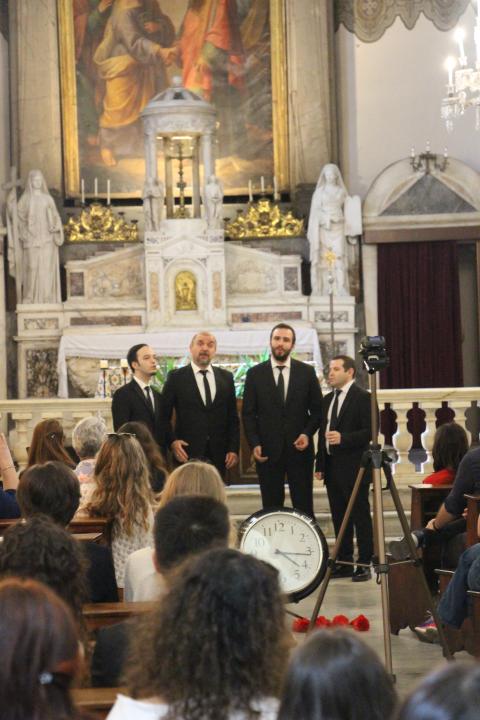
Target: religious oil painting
<point>116,55</point>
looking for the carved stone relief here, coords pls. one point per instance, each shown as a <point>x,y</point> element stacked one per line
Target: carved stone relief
<point>248,278</point>
<point>121,279</point>
<point>40,324</point>
<point>42,378</point>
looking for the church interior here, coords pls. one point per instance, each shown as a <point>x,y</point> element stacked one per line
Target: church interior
<point>173,167</point>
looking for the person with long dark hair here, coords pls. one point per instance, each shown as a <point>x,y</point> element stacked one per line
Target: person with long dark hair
<point>215,648</point>
<point>40,651</point>
<point>48,443</point>
<point>155,459</point>
<point>335,675</point>
<point>450,444</point>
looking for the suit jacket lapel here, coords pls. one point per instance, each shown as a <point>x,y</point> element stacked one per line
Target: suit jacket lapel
<point>270,384</point>
<point>139,391</point>
<point>219,385</point>
<point>346,404</point>
<point>194,386</point>
<point>293,381</point>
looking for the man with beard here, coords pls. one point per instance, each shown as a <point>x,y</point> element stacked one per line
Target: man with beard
<point>282,408</point>
<point>203,397</point>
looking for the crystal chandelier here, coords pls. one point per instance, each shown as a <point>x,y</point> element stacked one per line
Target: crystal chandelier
<point>463,88</point>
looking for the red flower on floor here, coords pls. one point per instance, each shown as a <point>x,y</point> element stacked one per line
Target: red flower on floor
<point>322,622</point>
<point>300,624</point>
<point>340,620</point>
<point>360,623</point>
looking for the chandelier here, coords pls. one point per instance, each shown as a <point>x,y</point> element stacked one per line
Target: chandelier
<point>463,87</point>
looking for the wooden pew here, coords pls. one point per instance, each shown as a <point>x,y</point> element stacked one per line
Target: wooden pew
<point>408,603</point>
<point>79,526</point>
<point>98,615</point>
<point>96,701</point>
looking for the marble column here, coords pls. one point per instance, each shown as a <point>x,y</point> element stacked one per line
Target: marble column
<point>311,83</point>
<point>35,83</point>
<point>3,317</point>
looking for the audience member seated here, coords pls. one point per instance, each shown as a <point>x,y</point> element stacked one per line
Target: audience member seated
<point>40,550</point>
<point>451,693</point>
<point>40,653</point>
<point>87,438</point>
<point>48,444</point>
<point>448,526</point>
<point>123,495</point>
<point>193,478</point>
<point>185,527</point>
<point>335,675</point>
<point>215,647</point>
<point>8,501</point>
<point>53,490</point>
<point>450,444</point>
<point>155,460</point>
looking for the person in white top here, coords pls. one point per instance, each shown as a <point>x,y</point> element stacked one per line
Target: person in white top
<point>215,647</point>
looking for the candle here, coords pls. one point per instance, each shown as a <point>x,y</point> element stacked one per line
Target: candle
<point>123,363</point>
<point>83,191</point>
<point>450,64</point>
<point>262,184</point>
<point>412,152</point>
<point>275,188</point>
<point>459,37</point>
<point>250,193</point>
<point>103,364</point>
<point>95,187</point>
<point>445,153</point>
<point>108,191</point>
<point>427,146</point>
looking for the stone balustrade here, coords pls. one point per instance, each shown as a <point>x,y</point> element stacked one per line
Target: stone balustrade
<point>408,421</point>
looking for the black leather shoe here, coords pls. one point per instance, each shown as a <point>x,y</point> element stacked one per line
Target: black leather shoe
<point>361,574</point>
<point>342,571</point>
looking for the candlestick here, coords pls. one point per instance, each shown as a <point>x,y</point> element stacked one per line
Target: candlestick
<point>108,191</point>
<point>262,184</point>
<point>95,187</point>
<point>250,193</point>
<point>83,191</point>
<point>275,188</point>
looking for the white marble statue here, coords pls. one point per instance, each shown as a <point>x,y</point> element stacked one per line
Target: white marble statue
<point>36,232</point>
<point>334,217</point>
<point>153,198</point>
<point>213,202</point>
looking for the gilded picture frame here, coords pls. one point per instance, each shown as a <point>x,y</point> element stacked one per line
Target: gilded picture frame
<point>84,161</point>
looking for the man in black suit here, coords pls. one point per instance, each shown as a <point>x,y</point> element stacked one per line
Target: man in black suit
<point>137,400</point>
<point>203,397</point>
<point>282,407</point>
<point>345,435</point>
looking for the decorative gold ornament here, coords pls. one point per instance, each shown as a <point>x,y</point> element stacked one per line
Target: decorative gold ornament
<point>98,223</point>
<point>264,219</point>
<point>330,258</point>
<point>185,291</point>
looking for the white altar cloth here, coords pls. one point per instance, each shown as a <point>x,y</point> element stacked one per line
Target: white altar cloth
<point>173,343</point>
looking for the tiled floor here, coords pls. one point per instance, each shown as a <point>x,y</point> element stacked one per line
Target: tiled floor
<point>411,658</point>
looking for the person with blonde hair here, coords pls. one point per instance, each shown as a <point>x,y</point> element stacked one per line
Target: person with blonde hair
<point>194,478</point>
<point>123,495</point>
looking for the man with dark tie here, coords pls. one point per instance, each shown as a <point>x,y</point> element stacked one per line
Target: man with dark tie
<point>203,397</point>
<point>282,408</point>
<point>345,435</point>
<point>137,400</point>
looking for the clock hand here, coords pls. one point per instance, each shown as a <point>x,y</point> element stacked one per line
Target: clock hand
<point>294,553</point>
<point>279,552</point>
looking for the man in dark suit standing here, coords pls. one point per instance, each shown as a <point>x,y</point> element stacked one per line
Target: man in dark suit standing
<point>345,435</point>
<point>282,407</point>
<point>203,397</point>
<point>137,400</point>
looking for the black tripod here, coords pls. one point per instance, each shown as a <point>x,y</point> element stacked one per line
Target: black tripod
<point>378,460</point>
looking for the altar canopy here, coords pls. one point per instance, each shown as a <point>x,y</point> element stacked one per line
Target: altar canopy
<point>174,344</point>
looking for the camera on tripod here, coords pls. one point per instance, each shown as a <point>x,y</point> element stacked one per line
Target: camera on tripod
<point>372,350</point>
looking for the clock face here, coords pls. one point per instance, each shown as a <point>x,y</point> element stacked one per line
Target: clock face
<point>291,542</point>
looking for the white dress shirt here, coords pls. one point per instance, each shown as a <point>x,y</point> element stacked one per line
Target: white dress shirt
<point>143,385</point>
<point>285,372</point>
<point>341,400</point>
<point>197,371</point>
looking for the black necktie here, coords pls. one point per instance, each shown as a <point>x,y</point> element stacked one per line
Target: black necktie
<point>334,413</point>
<point>206,385</point>
<point>148,393</point>
<point>281,383</point>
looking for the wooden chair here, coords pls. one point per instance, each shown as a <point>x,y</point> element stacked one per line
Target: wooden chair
<point>99,526</point>
<point>408,602</point>
<point>98,615</point>
<point>96,701</point>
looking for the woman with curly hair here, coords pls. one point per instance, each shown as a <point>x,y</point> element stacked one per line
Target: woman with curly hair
<point>40,652</point>
<point>48,444</point>
<point>215,648</point>
<point>123,495</point>
<point>335,675</point>
<point>156,463</point>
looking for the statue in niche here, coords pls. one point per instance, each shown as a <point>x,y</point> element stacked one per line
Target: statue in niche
<point>153,197</point>
<point>334,217</point>
<point>185,291</point>
<point>36,236</point>
<point>213,202</point>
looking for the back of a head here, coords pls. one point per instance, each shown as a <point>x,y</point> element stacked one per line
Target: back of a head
<point>188,525</point>
<point>222,626</point>
<point>194,478</point>
<point>451,693</point>
<point>39,651</point>
<point>47,444</point>
<point>449,446</point>
<point>335,675</point>
<point>88,436</point>
<point>50,489</point>
<point>41,550</point>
